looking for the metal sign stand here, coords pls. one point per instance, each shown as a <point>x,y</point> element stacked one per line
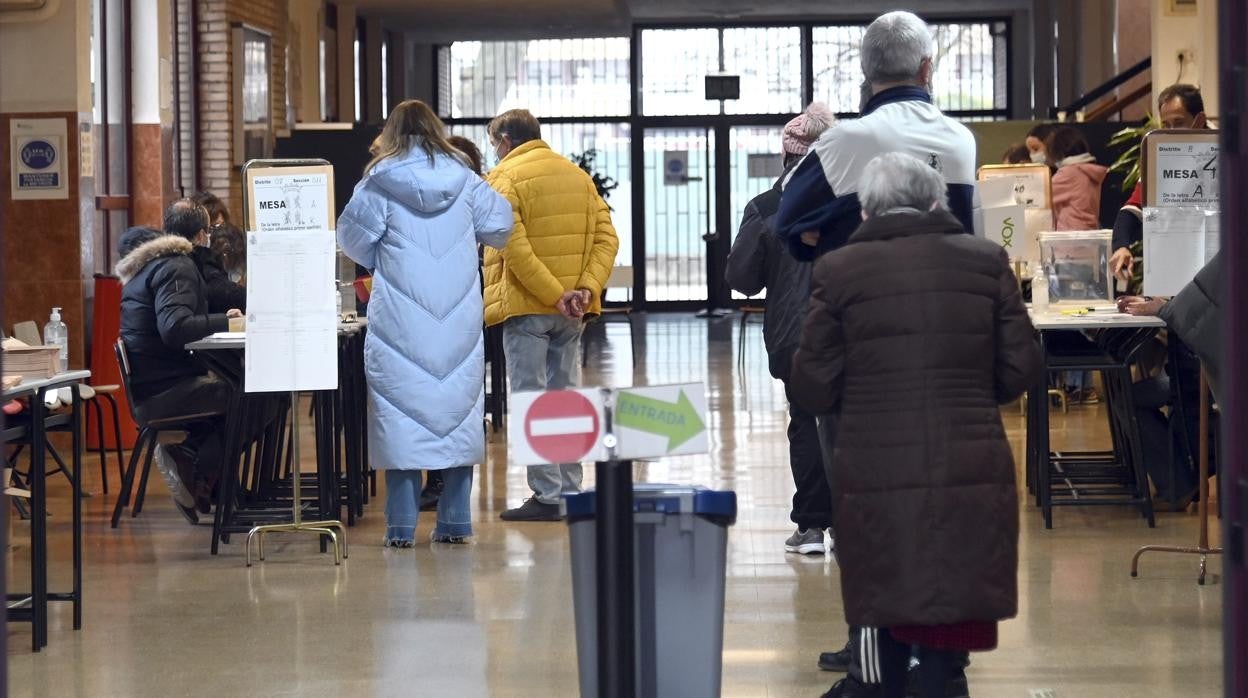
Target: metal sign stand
<point>1202,548</point>
<point>617,662</point>
<point>334,529</point>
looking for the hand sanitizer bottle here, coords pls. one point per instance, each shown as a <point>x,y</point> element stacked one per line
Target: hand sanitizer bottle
<point>56,334</point>
<point>1040,291</point>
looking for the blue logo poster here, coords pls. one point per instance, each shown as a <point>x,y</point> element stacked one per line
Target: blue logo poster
<point>39,159</point>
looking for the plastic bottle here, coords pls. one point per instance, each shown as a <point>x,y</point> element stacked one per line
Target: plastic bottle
<point>1040,291</point>
<point>56,334</point>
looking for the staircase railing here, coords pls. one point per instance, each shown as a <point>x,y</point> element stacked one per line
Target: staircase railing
<point>1114,105</point>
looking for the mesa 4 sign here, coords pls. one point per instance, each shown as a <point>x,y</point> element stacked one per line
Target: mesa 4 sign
<point>568,426</point>
<point>1189,174</point>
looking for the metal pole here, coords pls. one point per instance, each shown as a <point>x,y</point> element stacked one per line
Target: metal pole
<point>295,473</point>
<point>617,663</point>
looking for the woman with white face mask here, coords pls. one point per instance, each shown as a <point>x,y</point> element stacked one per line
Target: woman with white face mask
<point>1035,142</point>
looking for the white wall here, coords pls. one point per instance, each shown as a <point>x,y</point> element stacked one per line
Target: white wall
<point>151,77</point>
<point>1197,36</point>
<point>45,56</point>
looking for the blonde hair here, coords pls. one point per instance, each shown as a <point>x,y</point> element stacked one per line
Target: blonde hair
<point>412,124</point>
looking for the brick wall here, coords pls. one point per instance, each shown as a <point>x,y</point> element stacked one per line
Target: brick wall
<point>218,172</point>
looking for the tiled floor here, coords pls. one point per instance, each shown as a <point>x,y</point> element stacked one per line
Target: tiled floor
<point>163,618</point>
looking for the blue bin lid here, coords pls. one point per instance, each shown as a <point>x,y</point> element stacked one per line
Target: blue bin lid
<point>662,499</point>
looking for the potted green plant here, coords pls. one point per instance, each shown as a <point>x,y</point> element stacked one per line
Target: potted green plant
<point>603,183</point>
<point>1129,162</point>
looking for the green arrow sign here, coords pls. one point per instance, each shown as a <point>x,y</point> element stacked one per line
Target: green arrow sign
<point>677,421</point>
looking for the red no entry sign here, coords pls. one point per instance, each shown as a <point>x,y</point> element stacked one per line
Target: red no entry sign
<point>562,426</point>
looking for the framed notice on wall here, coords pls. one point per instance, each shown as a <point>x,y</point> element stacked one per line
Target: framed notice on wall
<point>1180,168</point>
<point>37,157</point>
<point>1033,185</point>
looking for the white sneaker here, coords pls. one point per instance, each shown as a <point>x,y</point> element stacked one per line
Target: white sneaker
<point>805,542</point>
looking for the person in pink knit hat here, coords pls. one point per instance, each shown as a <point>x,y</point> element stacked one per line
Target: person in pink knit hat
<point>758,260</point>
<point>804,130</point>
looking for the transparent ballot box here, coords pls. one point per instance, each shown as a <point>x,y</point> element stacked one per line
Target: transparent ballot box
<point>1077,266</point>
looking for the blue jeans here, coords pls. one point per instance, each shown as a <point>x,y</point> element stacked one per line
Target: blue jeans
<point>544,353</point>
<point>403,503</point>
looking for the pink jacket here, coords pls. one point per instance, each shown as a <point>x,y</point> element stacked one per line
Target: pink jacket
<point>1077,194</point>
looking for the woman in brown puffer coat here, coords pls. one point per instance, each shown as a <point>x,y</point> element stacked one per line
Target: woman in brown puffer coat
<point>916,334</point>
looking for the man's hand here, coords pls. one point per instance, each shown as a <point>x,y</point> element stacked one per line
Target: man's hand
<point>1140,305</point>
<point>233,313</point>
<point>571,304</point>
<point>810,238</point>
<point>1122,263</point>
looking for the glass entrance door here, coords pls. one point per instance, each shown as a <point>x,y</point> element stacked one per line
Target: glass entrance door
<point>679,212</point>
<point>687,182</point>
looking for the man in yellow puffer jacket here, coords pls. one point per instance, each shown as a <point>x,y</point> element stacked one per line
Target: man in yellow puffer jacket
<point>548,277</point>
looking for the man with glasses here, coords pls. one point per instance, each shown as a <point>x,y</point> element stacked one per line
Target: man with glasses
<point>223,293</point>
<point>164,307</point>
<point>1178,106</point>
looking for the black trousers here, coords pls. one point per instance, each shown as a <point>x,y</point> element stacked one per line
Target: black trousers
<point>812,499</point>
<point>1167,459</point>
<point>198,395</point>
<point>935,668</point>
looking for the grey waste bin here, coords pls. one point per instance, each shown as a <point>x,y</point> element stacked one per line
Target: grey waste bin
<point>680,546</point>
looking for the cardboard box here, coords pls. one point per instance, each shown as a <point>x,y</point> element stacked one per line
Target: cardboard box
<point>1004,220</point>
<point>32,362</point>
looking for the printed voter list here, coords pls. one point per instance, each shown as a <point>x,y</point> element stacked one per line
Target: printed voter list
<point>292,316</point>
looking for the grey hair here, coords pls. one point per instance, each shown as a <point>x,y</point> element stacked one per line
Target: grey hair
<point>894,47</point>
<point>899,181</point>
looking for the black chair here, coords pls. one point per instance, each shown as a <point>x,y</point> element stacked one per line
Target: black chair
<point>145,445</point>
<point>747,312</point>
<point>104,393</point>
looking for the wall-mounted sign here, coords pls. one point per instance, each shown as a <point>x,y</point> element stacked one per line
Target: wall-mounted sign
<point>675,167</point>
<point>769,165</point>
<point>723,87</point>
<point>37,159</point>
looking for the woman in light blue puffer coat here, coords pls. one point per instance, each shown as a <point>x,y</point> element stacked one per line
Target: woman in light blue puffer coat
<point>415,220</point>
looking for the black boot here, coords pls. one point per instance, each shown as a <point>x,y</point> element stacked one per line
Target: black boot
<point>432,491</point>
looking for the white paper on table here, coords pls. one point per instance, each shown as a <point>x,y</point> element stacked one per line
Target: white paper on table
<point>289,202</point>
<point>1178,242</point>
<point>292,313</point>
